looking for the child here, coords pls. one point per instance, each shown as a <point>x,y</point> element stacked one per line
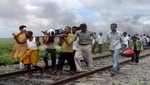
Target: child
<point>31,56</point>
<point>136,46</point>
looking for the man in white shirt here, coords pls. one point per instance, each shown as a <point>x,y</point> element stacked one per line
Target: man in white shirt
<point>100,42</point>
<point>114,39</point>
<point>125,41</point>
<point>145,40</point>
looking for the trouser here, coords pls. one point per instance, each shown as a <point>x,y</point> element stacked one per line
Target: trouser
<point>53,56</point>
<point>99,48</point>
<point>93,47</point>
<point>78,55</point>
<point>123,47</point>
<point>135,58</point>
<point>115,56</point>
<point>83,55</point>
<point>66,56</point>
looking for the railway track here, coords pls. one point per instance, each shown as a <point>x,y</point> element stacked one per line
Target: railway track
<point>15,71</point>
<point>100,69</point>
<point>130,74</point>
<point>101,63</point>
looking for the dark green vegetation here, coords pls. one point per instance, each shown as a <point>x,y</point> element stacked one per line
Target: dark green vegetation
<point>6,46</point>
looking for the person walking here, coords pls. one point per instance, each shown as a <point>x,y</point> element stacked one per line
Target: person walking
<point>66,52</point>
<point>125,43</point>
<point>75,45</point>
<point>114,39</point>
<point>20,46</point>
<point>32,54</point>
<point>100,42</point>
<point>93,43</point>
<point>84,45</point>
<point>50,48</point>
<point>136,46</point>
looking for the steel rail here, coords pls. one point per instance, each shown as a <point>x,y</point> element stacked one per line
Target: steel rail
<point>82,75</point>
<point>33,69</point>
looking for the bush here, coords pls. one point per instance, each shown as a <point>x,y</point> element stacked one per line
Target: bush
<point>103,49</point>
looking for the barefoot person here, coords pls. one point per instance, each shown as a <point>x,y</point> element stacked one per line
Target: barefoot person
<point>32,54</point>
<point>20,46</point>
<point>66,43</point>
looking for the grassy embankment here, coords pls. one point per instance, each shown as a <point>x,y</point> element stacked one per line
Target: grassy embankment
<point>6,46</point>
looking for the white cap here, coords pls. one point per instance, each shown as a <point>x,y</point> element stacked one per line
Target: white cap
<point>49,31</point>
<point>24,28</point>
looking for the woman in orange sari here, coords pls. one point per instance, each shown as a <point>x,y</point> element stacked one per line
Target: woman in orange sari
<point>20,46</point>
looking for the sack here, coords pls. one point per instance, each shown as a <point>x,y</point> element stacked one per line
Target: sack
<point>128,53</point>
<point>47,41</point>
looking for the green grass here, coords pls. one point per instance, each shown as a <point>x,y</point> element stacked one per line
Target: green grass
<point>103,50</point>
<point>8,61</point>
<point>143,83</point>
<point>6,46</point>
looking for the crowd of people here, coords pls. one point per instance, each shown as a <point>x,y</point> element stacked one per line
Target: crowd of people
<point>75,43</point>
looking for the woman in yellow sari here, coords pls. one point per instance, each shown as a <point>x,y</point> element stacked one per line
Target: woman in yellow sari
<point>20,46</point>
